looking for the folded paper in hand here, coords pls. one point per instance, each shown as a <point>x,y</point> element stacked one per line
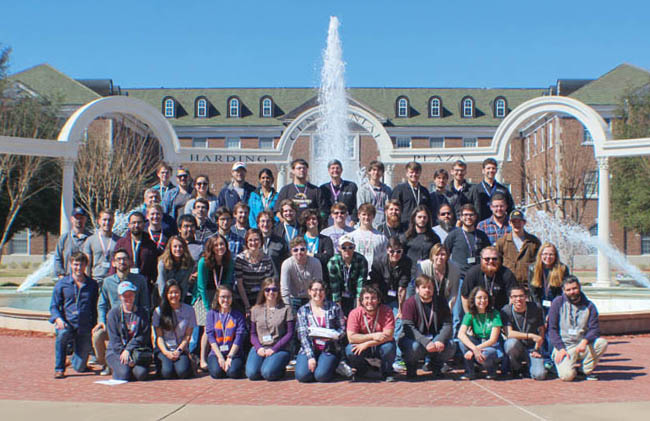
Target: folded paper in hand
<point>321,332</point>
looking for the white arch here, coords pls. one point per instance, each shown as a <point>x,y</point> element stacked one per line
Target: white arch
<point>74,128</point>
<point>600,133</point>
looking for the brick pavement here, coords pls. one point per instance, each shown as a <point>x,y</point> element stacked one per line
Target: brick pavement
<point>26,368</point>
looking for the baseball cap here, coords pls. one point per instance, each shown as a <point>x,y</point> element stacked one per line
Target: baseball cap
<point>517,214</point>
<point>79,211</point>
<point>346,239</point>
<point>238,165</point>
<point>181,171</point>
<point>125,286</point>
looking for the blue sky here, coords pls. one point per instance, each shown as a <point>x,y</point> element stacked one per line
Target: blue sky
<point>146,43</point>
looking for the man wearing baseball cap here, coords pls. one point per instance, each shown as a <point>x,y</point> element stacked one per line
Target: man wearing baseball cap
<point>518,247</point>
<point>237,190</point>
<point>175,199</point>
<point>348,271</point>
<point>70,242</point>
<point>338,190</point>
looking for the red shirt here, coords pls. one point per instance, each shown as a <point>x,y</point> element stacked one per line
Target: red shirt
<point>385,319</point>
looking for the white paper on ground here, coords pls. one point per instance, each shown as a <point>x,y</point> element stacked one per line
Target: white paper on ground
<point>111,382</point>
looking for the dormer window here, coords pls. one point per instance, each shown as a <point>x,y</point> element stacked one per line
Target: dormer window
<point>468,107</point>
<point>201,108</point>
<point>234,107</point>
<point>402,107</point>
<point>169,108</point>
<point>267,107</point>
<point>500,107</point>
<point>435,107</point>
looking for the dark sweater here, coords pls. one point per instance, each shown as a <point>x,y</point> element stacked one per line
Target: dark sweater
<point>391,278</point>
<point>413,322</point>
<point>457,246</point>
<point>498,288</point>
<point>307,197</point>
<point>119,338</point>
<point>481,193</point>
<point>347,194</point>
<point>405,194</point>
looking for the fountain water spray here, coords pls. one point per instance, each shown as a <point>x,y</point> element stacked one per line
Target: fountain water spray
<point>333,136</point>
<point>572,239</point>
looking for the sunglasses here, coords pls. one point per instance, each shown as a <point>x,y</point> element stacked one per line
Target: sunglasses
<point>490,259</point>
<point>395,251</point>
<point>338,213</point>
<point>181,176</point>
<point>202,183</point>
<point>271,289</point>
<point>298,249</point>
<point>347,247</point>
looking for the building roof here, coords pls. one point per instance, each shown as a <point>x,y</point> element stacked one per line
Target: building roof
<point>54,85</point>
<point>613,85</point>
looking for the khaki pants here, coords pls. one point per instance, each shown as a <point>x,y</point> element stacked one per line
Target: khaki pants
<point>588,359</point>
<point>100,340</point>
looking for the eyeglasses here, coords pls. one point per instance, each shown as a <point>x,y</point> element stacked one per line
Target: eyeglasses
<point>298,249</point>
<point>468,215</point>
<point>181,176</point>
<point>400,251</point>
<point>514,297</point>
<point>271,289</point>
<point>347,247</point>
<point>338,213</point>
<point>490,259</point>
<point>202,183</point>
<point>318,289</point>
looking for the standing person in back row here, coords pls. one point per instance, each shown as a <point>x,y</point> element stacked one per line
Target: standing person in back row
<point>70,242</point>
<point>411,194</point>
<point>482,192</point>
<point>466,242</point>
<point>174,201</point>
<point>99,247</point>
<point>458,190</point>
<point>301,192</point>
<point>375,191</point>
<point>338,190</point>
<point>238,190</point>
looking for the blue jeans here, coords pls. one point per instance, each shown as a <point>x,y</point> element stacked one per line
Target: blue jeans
<point>124,371</point>
<point>491,359</point>
<point>235,371</point>
<point>82,345</point>
<point>398,328</point>
<point>325,367</point>
<point>517,353</point>
<point>413,352</point>
<point>181,368</point>
<point>269,368</point>
<point>457,312</point>
<point>385,352</point>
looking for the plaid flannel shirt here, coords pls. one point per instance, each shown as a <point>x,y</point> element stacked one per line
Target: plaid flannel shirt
<point>333,320</point>
<point>358,276</point>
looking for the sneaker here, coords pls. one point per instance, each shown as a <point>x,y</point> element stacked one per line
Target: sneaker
<point>59,375</point>
<point>466,377</point>
<point>106,371</point>
<point>344,370</point>
<point>292,363</point>
<point>591,377</point>
<point>389,378</point>
<point>92,360</point>
<point>446,368</point>
<point>491,377</point>
<point>427,366</point>
<point>399,366</point>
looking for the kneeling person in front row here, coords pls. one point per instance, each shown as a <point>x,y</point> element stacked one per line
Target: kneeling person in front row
<point>370,334</point>
<point>574,332</point>
<point>523,323</point>
<point>128,330</point>
<point>426,320</point>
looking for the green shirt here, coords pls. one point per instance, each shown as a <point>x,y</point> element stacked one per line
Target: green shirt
<point>482,324</point>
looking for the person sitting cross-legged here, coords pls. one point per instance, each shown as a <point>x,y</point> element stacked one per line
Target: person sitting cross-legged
<point>426,321</point>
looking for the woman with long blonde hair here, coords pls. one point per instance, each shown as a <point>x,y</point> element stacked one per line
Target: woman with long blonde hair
<point>545,276</point>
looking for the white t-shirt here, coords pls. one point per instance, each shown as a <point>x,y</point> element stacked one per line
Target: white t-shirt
<point>371,244</point>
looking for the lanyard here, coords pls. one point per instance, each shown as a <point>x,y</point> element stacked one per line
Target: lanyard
<point>163,190</point>
<point>303,193</point>
<point>105,249</point>
<point>77,294</point>
<point>335,192</point>
<point>224,324</point>
<point>512,311</point>
<point>390,233</point>
<point>312,244</point>
<point>135,249</point>
<point>424,316</point>
<point>289,232</point>
<point>416,197</point>
<point>265,203</point>
<point>217,282</point>
<point>492,189</point>
<point>315,320</point>
<point>469,246</point>
<point>491,288</point>
<point>438,282</point>
<point>482,325</point>
<point>346,276</point>
<point>160,238</point>
<point>573,319</point>
<point>265,245</point>
<point>377,195</point>
<point>374,325</point>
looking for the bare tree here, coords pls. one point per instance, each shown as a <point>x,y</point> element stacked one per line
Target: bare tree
<point>114,166</point>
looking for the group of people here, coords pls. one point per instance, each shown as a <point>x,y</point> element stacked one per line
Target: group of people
<point>359,281</point>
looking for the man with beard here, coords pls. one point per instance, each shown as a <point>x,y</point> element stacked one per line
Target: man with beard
<point>419,238</point>
<point>458,189</point>
<point>519,247</point>
<point>142,251</point>
<point>496,226</point>
<point>466,242</point>
<point>238,190</point>
<point>411,194</point>
<point>375,192</point>
<point>393,227</point>
<point>338,190</point>
<point>490,274</point>
<point>482,192</point>
<point>303,194</point>
<point>70,242</point>
<point>446,221</point>
<point>175,199</point>
<point>574,332</point>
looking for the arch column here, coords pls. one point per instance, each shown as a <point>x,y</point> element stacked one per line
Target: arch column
<point>603,274</point>
<point>282,176</point>
<point>67,193</point>
<point>388,174</point>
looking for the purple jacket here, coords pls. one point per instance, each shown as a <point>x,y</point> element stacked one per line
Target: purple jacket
<point>564,317</point>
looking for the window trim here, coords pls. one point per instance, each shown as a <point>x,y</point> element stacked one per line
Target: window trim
<point>431,101</point>
<point>436,137</point>
<point>410,142</point>
<point>165,107</point>
<point>262,108</point>
<point>259,143</point>
<point>197,107</point>
<point>496,107</point>
<point>398,107</point>
<point>463,108</point>
<point>646,237</point>
<point>233,147</point>
<point>205,139</point>
<point>468,138</point>
<point>229,107</point>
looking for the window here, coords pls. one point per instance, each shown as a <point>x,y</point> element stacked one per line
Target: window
<point>436,142</point>
<point>199,142</point>
<point>402,107</point>
<point>233,143</point>
<point>534,143</point>
<point>403,142</point>
<point>267,107</point>
<point>586,137</point>
<point>509,152</point>
<point>468,107</point>
<point>266,143</point>
<point>645,243</point>
<point>550,135</point>
<point>169,108</point>
<point>591,185</point>
<point>233,107</point>
<point>542,139</point>
<point>202,108</point>
<point>19,244</point>
<point>435,107</point>
<point>470,142</point>
<point>500,107</point>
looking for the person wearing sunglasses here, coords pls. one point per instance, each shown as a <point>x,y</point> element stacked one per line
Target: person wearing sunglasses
<point>202,190</point>
<point>174,200</point>
<point>491,275</point>
<point>347,273</point>
<point>339,214</point>
<point>446,221</point>
<point>296,274</point>
<point>319,355</point>
<point>272,325</point>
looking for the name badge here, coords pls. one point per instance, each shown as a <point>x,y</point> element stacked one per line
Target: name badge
<point>346,294</point>
<point>256,289</point>
<point>223,348</point>
<point>319,342</point>
<point>135,270</point>
<point>546,303</point>
<point>471,260</point>
<point>392,293</point>
<point>573,332</point>
<point>106,264</point>
<point>267,338</point>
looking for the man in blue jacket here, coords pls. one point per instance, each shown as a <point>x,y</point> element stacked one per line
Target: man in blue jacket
<point>574,332</point>
<point>73,311</point>
<point>238,190</point>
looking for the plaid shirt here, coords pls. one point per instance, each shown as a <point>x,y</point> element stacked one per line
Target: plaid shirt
<point>490,227</point>
<point>333,320</point>
<point>358,275</point>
